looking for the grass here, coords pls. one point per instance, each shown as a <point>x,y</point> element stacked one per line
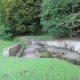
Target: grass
<point>44,37</point>
<point>36,37</point>
<point>35,69</point>
<point>41,37</point>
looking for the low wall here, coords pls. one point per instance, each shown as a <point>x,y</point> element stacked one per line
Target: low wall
<point>71,45</point>
<point>12,50</point>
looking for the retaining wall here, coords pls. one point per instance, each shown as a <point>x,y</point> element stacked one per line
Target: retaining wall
<point>12,50</point>
<point>71,45</point>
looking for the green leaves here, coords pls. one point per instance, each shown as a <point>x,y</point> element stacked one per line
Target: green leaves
<point>56,16</point>
<point>19,14</point>
<point>5,33</point>
<point>56,19</point>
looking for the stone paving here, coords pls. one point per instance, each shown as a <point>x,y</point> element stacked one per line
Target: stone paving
<point>29,51</point>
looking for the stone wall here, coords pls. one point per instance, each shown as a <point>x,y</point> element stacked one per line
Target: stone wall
<point>71,45</point>
<point>12,50</point>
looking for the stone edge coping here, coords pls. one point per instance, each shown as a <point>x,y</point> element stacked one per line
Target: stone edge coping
<point>69,44</point>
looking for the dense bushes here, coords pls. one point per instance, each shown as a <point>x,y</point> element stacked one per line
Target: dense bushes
<point>55,17</point>
<point>21,15</point>
<point>60,17</point>
<point>5,33</point>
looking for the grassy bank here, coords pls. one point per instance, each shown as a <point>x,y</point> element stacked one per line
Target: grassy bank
<point>35,69</point>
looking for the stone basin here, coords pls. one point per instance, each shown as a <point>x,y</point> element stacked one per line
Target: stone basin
<point>40,53</point>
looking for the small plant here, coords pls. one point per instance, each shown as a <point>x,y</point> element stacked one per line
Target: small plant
<point>23,44</point>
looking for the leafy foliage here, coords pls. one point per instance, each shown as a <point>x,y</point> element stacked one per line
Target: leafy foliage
<point>20,15</point>
<point>5,33</point>
<point>57,17</point>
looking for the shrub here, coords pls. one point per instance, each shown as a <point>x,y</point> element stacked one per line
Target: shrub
<point>5,33</point>
<point>60,17</point>
<point>19,15</point>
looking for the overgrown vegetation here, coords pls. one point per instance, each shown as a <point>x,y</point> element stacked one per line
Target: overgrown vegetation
<point>61,17</point>
<point>55,17</point>
<point>5,33</point>
<point>21,15</point>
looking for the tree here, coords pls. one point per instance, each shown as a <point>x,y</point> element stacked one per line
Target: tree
<point>56,17</point>
<point>21,15</point>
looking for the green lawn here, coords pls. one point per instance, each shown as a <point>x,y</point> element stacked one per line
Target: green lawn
<point>41,37</point>
<point>35,69</point>
<point>36,37</point>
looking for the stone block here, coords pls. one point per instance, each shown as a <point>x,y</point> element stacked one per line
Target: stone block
<point>42,55</point>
